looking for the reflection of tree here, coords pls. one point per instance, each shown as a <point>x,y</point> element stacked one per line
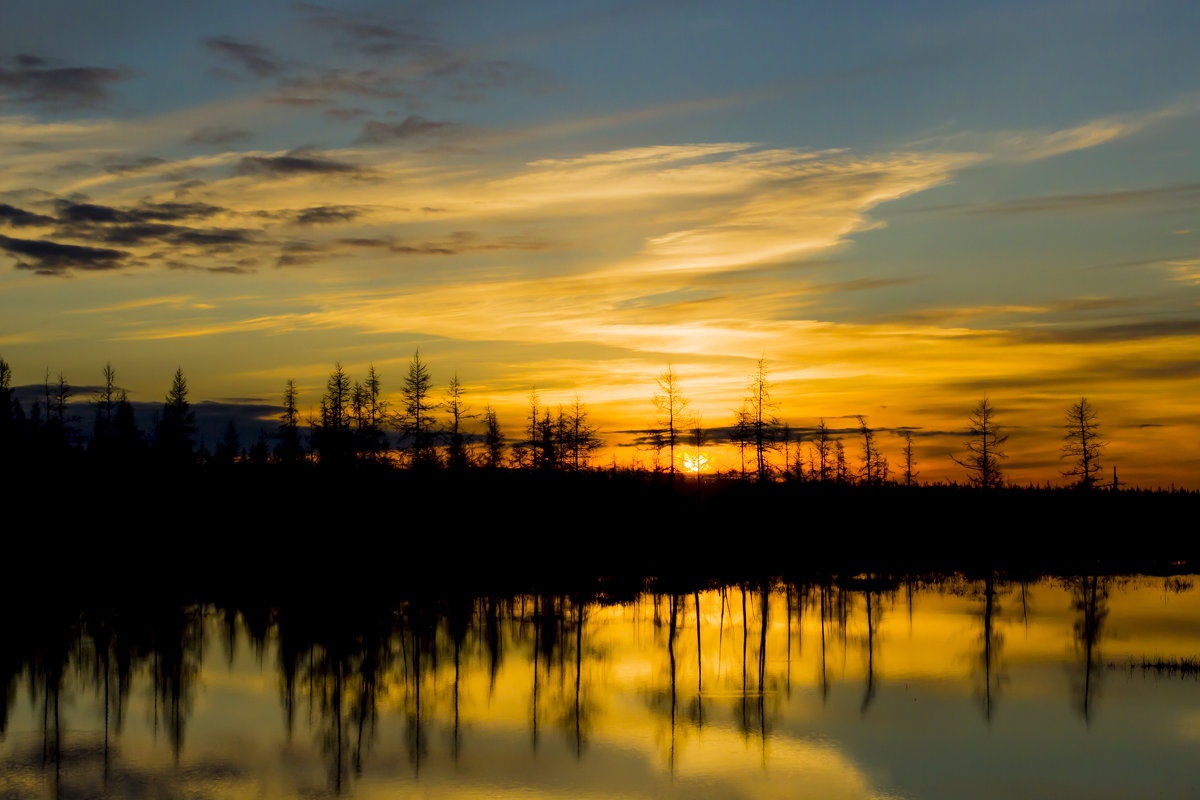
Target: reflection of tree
<point>992,644</point>
<point>1090,600</point>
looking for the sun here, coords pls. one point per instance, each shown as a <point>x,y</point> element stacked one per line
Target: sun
<point>697,463</point>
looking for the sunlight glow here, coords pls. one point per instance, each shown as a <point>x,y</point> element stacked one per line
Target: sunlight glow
<point>697,463</point>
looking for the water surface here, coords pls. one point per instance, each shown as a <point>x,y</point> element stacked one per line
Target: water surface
<point>856,688</point>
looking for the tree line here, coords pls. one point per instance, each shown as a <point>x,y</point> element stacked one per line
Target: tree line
<point>432,428</point>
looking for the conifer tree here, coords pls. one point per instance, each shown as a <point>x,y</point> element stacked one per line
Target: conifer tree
<point>177,425</point>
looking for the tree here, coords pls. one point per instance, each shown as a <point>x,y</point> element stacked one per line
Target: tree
<point>698,438</point>
<point>579,437</point>
<point>910,461</point>
<point>493,439</point>
<point>417,423</point>
<point>982,459</point>
<point>823,447</point>
<point>762,423</point>
<point>107,399</point>
<point>456,408</point>
<point>334,437</point>
<point>288,433</point>
<point>178,424</point>
<point>532,430</point>
<point>227,449</point>
<point>374,413</point>
<point>842,471</point>
<point>1083,443</point>
<point>870,453</point>
<point>671,405</point>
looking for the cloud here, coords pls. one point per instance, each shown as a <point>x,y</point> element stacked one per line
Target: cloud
<point>304,161</point>
<point>19,218</point>
<point>372,35</point>
<point>69,211</point>
<point>29,79</point>
<point>218,135</point>
<point>413,127</point>
<point>1179,195</point>
<point>321,215</point>
<point>54,258</point>
<point>251,57</point>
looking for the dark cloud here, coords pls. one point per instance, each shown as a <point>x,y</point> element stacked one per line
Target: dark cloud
<point>147,212</point>
<point>215,239</point>
<point>458,242</point>
<point>298,254</point>
<point>126,166</point>
<point>413,127</point>
<point>218,135</point>
<point>249,56</point>
<point>297,162</point>
<point>1121,332</point>
<point>19,218</point>
<point>321,215</point>
<point>30,79</point>
<point>55,258</point>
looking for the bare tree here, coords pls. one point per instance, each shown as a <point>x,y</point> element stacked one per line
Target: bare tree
<point>1083,443</point>
<point>823,447</point>
<point>842,471</point>
<point>910,461</point>
<point>459,413</point>
<point>672,406</point>
<point>870,453</point>
<point>762,422</point>
<point>982,459</point>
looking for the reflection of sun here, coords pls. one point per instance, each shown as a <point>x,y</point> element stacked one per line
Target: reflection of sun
<point>697,463</point>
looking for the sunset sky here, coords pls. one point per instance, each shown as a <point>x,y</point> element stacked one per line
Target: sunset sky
<point>902,207</point>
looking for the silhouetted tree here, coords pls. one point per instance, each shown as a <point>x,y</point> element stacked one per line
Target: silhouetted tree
<point>289,450</point>
<point>173,441</point>
<point>672,406</point>
<point>458,413</point>
<point>762,422</point>
<point>107,399</point>
<point>910,461</point>
<point>698,438</point>
<point>334,439</point>
<point>870,453</point>
<point>417,422</point>
<point>982,459</point>
<point>579,437</point>
<point>374,442</point>
<point>128,445</point>
<point>1083,443</point>
<point>842,471</point>
<point>12,420</point>
<point>823,446</point>
<point>227,449</point>
<point>532,431</point>
<point>493,439</point>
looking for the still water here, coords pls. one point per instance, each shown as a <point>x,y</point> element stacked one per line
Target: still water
<point>864,688</point>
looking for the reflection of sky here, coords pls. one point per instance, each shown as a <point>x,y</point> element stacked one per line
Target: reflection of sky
<point>902,207</point>
<point>923,734</point>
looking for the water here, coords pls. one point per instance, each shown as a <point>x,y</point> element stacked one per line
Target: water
<point>943,688</point>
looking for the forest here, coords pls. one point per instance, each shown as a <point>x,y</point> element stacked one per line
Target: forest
<point>429,492</point>
<point>434,428</point>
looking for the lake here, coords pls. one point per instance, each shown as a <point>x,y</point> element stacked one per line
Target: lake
<point>856,687</point>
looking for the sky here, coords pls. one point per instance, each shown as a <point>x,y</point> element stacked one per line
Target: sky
<point>902,208</point>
